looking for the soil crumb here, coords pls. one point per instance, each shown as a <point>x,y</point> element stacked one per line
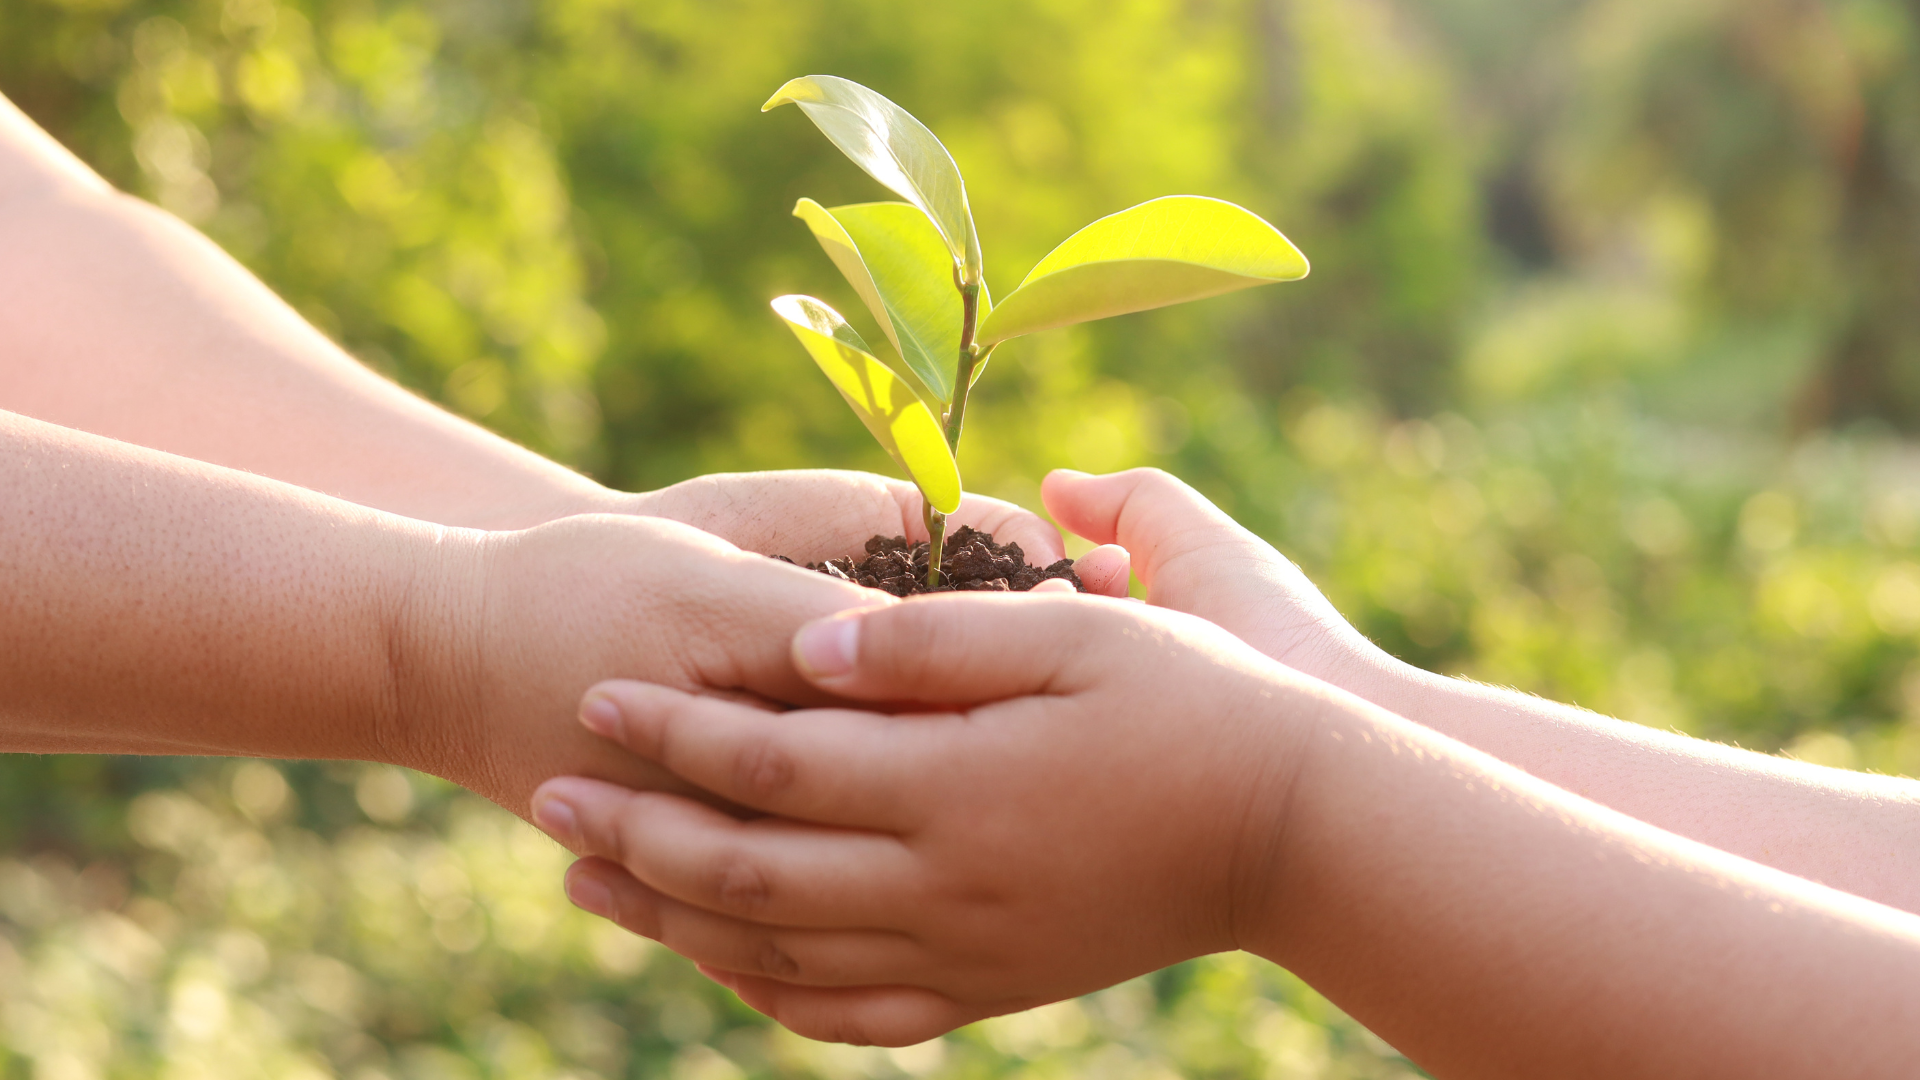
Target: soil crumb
<point>971,562</point>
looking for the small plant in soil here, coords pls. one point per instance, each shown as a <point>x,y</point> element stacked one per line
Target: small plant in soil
<point>916,265</point>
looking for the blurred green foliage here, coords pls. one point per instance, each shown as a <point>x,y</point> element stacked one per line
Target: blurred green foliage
<point>1600,388</point>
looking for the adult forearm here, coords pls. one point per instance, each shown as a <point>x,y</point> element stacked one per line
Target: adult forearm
<point>120,320</point>
<point>1852,831</point>
<point>1489,924</point>
<point>154,604</point>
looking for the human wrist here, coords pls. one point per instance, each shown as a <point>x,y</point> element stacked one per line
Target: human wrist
<point>435,639</point>
<point>553,500</point>
<point>1346,659</point>
<point>1293,709</point>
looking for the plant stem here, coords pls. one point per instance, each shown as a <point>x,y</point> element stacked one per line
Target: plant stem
<point>936,541</point>
<point>955,418</point>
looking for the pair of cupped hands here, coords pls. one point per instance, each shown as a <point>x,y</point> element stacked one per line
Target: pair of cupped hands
<point>877,820</point>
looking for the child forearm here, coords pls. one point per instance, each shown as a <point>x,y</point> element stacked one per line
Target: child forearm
<point>1853,831</point>
<point>1489,924</point>
<point>1849,830</point>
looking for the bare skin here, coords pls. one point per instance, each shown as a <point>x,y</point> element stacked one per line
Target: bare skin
<point>160,605</point>
<point>1054,833</point>
<point>165,605</point>
<point>1853,831</point>
<point>120,320</point>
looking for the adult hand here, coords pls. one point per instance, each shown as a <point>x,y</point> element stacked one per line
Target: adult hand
<point>156,604</point>
<point>532,618</point>
<point>732,606</point>
<point>811,515</point>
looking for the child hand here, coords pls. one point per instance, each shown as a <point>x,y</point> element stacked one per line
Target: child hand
<point>925,871</point>
<point>1195,559</point>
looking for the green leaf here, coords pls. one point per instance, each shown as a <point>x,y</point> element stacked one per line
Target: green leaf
<point>895,149</point>
<point>894,258</point>
<point>898,419</point>
<point>1166,251</point>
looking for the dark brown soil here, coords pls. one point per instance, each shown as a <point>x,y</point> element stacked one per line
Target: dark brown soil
<point>971,562</point>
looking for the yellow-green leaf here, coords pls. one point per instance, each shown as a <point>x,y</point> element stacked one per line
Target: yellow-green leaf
<point>895,149</point>
<point>1165,251</point>
<point>894,258</point>
<point>898,419</point>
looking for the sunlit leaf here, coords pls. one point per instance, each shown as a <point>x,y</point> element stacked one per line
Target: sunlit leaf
<point>894,258</point>
<point>885,402</point>
<point>1166,251</point>
<point>895,149</point>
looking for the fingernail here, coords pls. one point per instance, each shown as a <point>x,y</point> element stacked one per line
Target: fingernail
<point>1072,474</point>
<point>557,818</point>
<point>827,647</point>
<point>600,715</point>
<point>590,895</point>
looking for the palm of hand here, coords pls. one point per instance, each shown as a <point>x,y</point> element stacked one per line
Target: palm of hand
<point>546,612</point>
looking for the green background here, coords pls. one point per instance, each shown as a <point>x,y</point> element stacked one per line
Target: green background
<point>1601,388</point>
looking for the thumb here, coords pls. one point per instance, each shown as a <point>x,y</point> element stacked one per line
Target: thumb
<point>1195,559</point>
<point>1177,538</point>
<point>952,649</point>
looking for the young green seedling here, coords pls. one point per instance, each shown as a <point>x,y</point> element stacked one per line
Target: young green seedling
<point>917,267</point>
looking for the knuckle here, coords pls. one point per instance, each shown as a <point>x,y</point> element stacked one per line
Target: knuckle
<point>641,918</point>
<point>851,1030</point>
<point>740,885</point>
<point>621,839</point>
<point>764,767</point>
<point>774,962</point>
<point>1160,484</point>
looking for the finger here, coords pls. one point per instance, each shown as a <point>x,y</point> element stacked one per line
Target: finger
<point>771,871</point>
<point>1105,569</point>
<point>863,1016</point>
<point>810,515</point>
<point>1158,518</point>
<point>803,957</point>
<point>1055,585</point>
<point>957,648</point>
<point>1196,559</point>
<point>831,766</point>
<point>716,617</point>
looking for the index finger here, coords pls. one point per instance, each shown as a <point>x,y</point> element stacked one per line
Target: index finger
<point>810,515</point>
<point>830,766</point>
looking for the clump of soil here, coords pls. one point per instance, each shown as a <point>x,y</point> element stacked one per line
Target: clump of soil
<point>971,562</point>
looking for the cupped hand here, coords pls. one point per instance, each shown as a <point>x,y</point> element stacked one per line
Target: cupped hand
<point>811,515</point>
<point>919,872</point>
<point>504,631</point>
<point>1195,559</point>
<point>640,595</point>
